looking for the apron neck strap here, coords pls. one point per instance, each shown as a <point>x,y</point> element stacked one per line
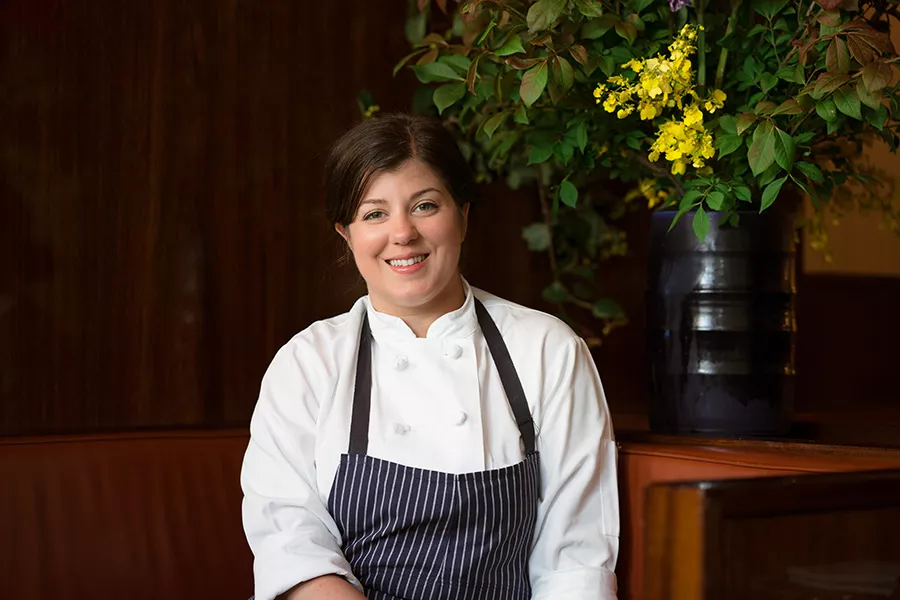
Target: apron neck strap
<point>362,393</point>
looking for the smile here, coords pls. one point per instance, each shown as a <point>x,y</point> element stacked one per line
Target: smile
<point>407,262</point>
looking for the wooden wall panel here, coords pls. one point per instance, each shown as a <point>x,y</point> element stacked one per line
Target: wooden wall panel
<point>162,230</point>
<point>161,222</point>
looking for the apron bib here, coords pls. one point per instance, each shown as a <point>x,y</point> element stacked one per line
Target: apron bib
<point>415,534</point>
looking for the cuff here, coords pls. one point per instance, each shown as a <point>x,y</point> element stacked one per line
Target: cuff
<point>576,584</point>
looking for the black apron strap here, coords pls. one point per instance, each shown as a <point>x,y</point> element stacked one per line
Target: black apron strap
<point>362,392</point>
<point>508,376</point>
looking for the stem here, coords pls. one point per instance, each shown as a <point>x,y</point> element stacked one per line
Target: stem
<point>659,170</point>
<point>701,50</point>
<point>723,55</point>
<point>548,220</point>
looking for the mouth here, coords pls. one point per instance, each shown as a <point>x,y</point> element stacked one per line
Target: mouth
<point>407,261</point>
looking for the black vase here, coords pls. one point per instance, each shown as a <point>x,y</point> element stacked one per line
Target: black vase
<point>721,326</point>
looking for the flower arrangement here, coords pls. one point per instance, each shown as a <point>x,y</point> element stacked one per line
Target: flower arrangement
<point>689,106</point>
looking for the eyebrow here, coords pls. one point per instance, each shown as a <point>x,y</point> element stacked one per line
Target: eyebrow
<point>415,196</point>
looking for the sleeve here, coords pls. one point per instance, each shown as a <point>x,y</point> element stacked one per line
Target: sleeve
<point>289,529</point>
<point>577,532</point>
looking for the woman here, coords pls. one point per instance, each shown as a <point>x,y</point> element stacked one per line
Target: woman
<point>435,441</point>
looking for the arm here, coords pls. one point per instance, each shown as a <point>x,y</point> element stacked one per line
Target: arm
<point>327,587</point>
<point>577,533</point>
<point>288,527</point>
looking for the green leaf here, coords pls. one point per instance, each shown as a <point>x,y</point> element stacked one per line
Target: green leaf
<point>827,110</point>
<point>626,31</point>
<point>767,81</point>
<point>533,83</point>
<point>563,73</point>
<point>784,150</point>
<point>811,171</point>
<point>564,151</point>
<point>555,293</point>
<point>539,154</point>
<point>447,94</point>
<point>521,116</point>
<point>769,175</point>
<point>436,71</point>
<point>415,28</point>
<point>589,8</point>
<point>791,74</point>
<point>847,101</point>
<point>513,45</point>
<point>491,125</point>
<point>607,309</point>
<point>728,124</point>
<point>715,200</point>
<point>788,107</point>
<point>743,193</point>
<point>595,28</point>
<point>459,62</point>
<point>872,100</point>
<point>568,193</point>
<point>689,198</point>
<point>771,193</point>
<point>877,118</point>
<point>537,236</point>
<point>827,83</point>
<point>728,143</point>
<point>701,223</point>
<point>744,121</point>
<point>407,58</point>
<point>837,58</point>
<point>580,135</point>
<point>761,154</point>
<point>769,8</point>
<point>544,13</point>
<point>876,75</point>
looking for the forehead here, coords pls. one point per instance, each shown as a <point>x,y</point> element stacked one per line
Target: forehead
<point>409,178</point>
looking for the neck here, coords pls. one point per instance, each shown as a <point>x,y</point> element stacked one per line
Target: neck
<point>420,318</point>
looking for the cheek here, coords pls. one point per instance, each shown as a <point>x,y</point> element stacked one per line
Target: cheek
<point>365,243</point>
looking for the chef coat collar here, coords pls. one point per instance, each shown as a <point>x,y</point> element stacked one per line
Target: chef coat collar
<point>454,324</point>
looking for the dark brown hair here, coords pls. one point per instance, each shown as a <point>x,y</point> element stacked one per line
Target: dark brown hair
<point>382,144</point>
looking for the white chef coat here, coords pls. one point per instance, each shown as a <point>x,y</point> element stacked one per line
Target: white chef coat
<point>437,403</point>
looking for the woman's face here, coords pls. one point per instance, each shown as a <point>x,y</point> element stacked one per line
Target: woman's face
<point>406,238</point>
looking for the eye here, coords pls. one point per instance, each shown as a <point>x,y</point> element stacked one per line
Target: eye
<point>375,214</point>
<point>425,206</point>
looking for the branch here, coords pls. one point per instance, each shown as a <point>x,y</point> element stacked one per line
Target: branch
<point>658,169</point>
<point>548,220</point>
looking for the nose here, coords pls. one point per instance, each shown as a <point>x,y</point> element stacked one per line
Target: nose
<point>403,231</point>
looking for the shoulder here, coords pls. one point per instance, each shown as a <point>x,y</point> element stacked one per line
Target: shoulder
<point>520,324</point>
<point>324,343</point>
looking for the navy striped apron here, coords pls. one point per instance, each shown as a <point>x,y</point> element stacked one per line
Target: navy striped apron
<point>414,534</point>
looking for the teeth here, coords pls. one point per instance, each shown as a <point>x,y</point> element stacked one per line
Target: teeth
<point>407,262</point>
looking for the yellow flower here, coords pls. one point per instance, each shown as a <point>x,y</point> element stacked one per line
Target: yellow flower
<point>678,167</point>
<point>692,115</point>
<point>716,101</point>
<point>370,111</point>
<point>647,112</point>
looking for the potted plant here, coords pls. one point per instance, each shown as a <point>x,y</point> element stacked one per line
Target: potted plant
<point>724,118</point>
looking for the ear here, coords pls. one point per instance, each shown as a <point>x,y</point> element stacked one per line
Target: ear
<point>343,232</point>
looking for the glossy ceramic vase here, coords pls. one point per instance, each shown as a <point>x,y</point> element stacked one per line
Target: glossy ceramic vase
<point>721,326</point>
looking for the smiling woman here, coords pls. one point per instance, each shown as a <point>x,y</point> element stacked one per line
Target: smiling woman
<point>435,441</point>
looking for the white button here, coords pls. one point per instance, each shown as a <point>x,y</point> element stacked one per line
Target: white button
<point>402,363</point>
<point>461,418</point>
<point>401,428</point>
<point>454,351</point>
